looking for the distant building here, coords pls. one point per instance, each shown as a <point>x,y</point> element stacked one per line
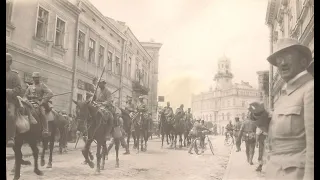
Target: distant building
<point>294,19</point>
<point>227,100</point>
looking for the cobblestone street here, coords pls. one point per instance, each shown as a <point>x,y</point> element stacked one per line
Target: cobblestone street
<point>156,163</point>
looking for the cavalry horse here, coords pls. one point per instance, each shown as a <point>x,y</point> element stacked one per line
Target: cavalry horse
<point>99,124</point>
<point>139,130</point>
<point>60,123</point>
<point>165,128</point>
<point>178,129</point>
<point>186,137</point>
<point>31,137</point>
<point>127,123</point>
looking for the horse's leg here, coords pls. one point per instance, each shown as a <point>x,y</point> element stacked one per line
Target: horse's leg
<point>98,155</point>
<point>142,138</point>
<point>128,139</point>
<point>110,146</point>
<point>180,140</point>
<point>35,152</point>
<point>104,149</point>
<point>117,145</point>
<point>44,148</point>
<point>18,156</point>
<point>49,165</point>
<point>137,140</point>
<point>85,152</point>
<point>146,140</point>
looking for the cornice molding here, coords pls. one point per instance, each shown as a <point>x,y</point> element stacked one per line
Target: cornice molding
<point>271,11</point>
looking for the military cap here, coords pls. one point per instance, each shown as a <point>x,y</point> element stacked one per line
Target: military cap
<point>63,112</point>
<point>8,57</point>
<point>35,75</point>
<point>140,97</point>
<point>289,43</point>
<point>103,81</point>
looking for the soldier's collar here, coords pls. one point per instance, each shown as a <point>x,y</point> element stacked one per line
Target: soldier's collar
<point>298,83</point>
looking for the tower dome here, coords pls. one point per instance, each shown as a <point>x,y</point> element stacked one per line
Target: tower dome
<point>224,76</point>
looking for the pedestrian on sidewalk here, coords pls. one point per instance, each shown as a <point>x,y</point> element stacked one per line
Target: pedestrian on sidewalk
<point>248,133</point>
<point>237,127</point>
<point>291,127</point>
<point>260,138</point>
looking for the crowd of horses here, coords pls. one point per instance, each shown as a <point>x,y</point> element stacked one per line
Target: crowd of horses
<point>98,123</point>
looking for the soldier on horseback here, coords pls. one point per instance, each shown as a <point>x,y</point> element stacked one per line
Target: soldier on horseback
<point>168,112</point>
<point>38,95</point>
<point>129,106</point>
<point>13,89</point>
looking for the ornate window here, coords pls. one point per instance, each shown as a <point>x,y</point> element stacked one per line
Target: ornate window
<point>92,47</point>
<point>81,42</point>
<point>60,33</point>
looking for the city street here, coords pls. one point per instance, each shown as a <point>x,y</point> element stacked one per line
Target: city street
<point>156,163</point>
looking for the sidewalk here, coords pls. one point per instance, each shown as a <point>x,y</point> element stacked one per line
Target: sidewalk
<point>239,169</point>
<point>26,150</point>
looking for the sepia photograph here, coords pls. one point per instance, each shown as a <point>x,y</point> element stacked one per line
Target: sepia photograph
<point>160,89</point>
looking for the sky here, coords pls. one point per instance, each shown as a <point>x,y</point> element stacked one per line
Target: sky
<point>195,34</point>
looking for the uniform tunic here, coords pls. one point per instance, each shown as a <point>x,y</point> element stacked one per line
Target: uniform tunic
<point>291,131</point>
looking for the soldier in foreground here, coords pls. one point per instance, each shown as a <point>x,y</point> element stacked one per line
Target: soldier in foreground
<point>237,127</point>
<point>13,89</point>
<point>291,126</point>
<point>248,134</point>
<point>260,138</point>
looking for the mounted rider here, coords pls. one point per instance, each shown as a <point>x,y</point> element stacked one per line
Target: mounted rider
<point>168,113</point>
<point>104,99</point>
<point>142,109</point>
<point>130,107</point>
<point>13,89</point>
<point>39,96</point>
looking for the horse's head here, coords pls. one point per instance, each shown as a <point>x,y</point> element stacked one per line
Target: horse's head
<point>83,109</point>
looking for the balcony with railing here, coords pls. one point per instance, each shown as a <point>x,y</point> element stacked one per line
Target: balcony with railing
<point>138,85</point>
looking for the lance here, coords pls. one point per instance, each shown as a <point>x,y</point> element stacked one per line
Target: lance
<point>95,91</point>
<point>55,95</point>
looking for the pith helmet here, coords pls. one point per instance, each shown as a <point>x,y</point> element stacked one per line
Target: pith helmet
<point>289,43</point>
<point>8,57</point>
<point>35,75</point>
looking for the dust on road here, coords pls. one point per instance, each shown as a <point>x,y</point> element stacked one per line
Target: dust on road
<point>156,163</point>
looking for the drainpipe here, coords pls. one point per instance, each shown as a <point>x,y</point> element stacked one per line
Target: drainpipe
<point>121,68</point>
<point>74,65</point>
<point>271,70</point>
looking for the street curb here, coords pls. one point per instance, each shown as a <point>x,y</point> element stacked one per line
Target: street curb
<point>11,157</point>
<point>227,171</point>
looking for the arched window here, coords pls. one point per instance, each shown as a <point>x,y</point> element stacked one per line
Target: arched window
<point>228,116</point>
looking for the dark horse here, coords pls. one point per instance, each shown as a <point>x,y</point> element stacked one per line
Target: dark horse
<point>126,124</point>
<point>31,137</point>
<point>186,137</point>
<point>139,130</point>
<point>100,123</point>
<point>60,123</point>
<point>165,128</point>
<point>178,129</point>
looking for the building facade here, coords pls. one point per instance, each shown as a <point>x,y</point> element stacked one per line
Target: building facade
<point>100,46</point>
<point>70,42</point>
<point>40,35</point>
<point>153,49</point>
<point>226,101</point>
<point>288,18</point>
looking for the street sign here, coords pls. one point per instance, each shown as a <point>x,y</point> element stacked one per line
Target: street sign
<point>160,98</point>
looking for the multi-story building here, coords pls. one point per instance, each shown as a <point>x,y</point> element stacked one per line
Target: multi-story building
<point>226,101</point>
<point>288,18</point>
<point>70,42</point>
<point>100,45</point>
<point>153,49</point>
<point>40,35</point>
